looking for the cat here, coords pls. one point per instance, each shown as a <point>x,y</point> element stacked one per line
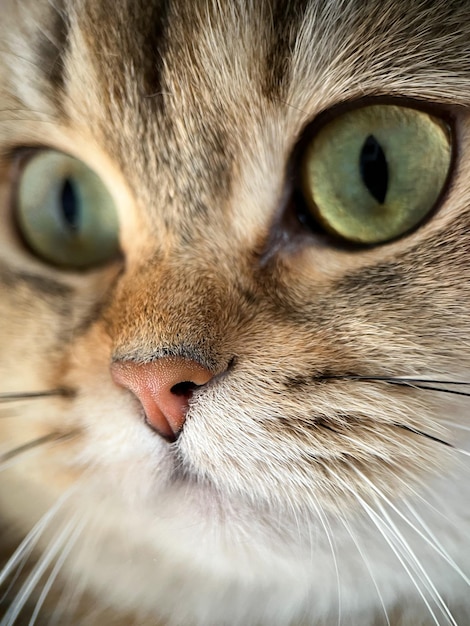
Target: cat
<point>235,318</point>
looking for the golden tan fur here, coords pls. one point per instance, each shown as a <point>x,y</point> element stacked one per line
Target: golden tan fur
<point>271,506</point>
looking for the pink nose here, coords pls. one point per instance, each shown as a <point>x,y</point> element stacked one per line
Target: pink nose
<point>164,388</point>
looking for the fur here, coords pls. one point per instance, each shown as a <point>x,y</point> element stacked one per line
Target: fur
<point>289,498</point>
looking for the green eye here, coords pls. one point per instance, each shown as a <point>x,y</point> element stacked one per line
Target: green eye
<point>374,173</point>
<point>65,213</point>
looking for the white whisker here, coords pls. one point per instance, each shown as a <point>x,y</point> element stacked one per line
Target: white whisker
<point>434,509</point>
<point>430,540</point>
<point>27,545</point>
<point>418,565</point>
<point>68,602</point>
<point>366,563</point>
<point>436,545</point>
<point>329,536</point>
<point>406,545</point>
<point>294,514</point>
<point>460,451</point>
<point>447,423</point>
<point>72,540</point>
<point>381,526</point>
<point>37,572</point>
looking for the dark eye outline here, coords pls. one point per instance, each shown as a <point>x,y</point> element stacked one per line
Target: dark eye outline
<point>449,115</point>
<point>15,160</point>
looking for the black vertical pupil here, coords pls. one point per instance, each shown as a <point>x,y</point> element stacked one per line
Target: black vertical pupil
<point>374,169</point>
<point>70,205</point>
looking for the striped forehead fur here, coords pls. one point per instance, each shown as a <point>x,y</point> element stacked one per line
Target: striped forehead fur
<point>281,44</point>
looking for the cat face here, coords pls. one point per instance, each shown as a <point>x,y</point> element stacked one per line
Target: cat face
<point>233,423</point>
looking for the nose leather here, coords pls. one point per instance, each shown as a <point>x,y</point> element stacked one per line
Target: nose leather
<point>164,388</point>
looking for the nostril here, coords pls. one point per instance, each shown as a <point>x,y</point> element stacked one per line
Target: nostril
<point>184,389</point>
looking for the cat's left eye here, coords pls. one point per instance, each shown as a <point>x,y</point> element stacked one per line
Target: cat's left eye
<point>64,212</point>
<point>375,172</point>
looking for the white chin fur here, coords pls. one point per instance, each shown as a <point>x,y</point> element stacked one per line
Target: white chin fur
<point>197,560</point>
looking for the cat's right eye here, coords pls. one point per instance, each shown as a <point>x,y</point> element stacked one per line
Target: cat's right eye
<point>64,212</point>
